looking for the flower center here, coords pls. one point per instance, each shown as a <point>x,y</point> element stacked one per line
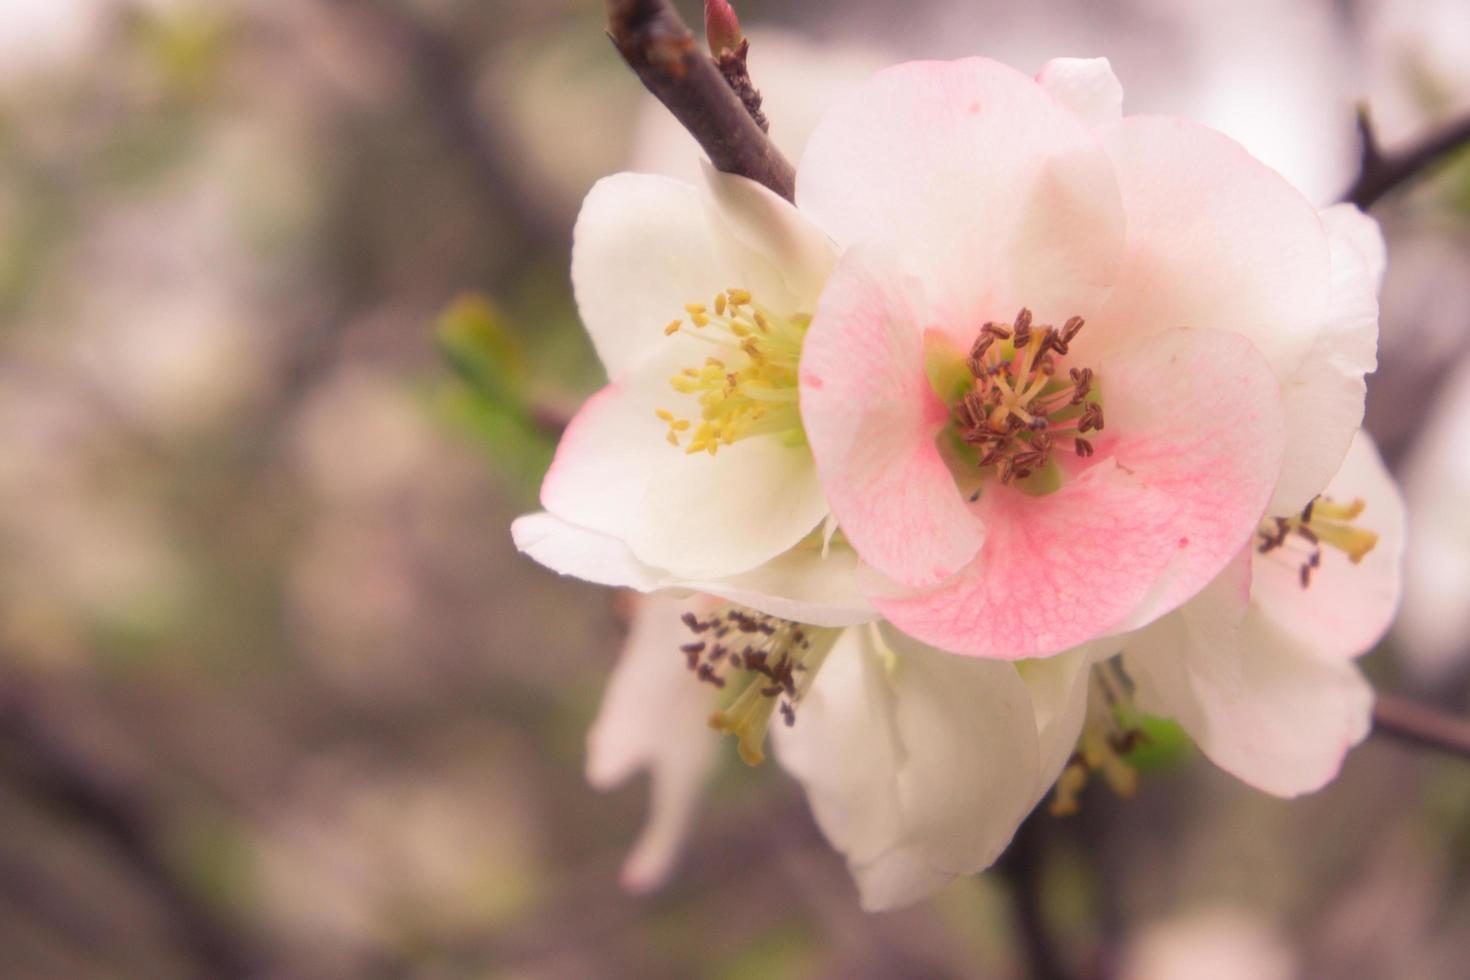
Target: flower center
<point>769,662</point>
<point>1016,408</point>
<point>750,387</point>
<point>1322,521</point>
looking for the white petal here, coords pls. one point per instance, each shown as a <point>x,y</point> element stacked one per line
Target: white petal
<point>1087,86</point>
<point>577,551</point>
<point>919,766</point>
<point>644,246</point>
<point>803,584</point>
<point>711,516</point>
<point>613,444</point>
<point>1323,398</point>
<point>772,227</point>
<point>1347,608</point>
<point>654,717</point>
<point>1058,688</point>
<point>1259,703</point>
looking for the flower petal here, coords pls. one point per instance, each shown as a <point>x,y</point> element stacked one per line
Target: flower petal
<point>1197,415</point>
<point>1216,240</point>
<point>1189,455</point>
<point>1262,705</point>
<point>919,766</point>
<point>654,717</point>
<point>980,180</point>
<point>709,516</point>
<point>1087,86</point>
<point>771,227</point>
<point>1347,608</point>
<point>1323,398</point>
<point>804,584</point>
<point>871,418</point>
<point>644,246</point>
<point>602,465</point>
<point>1058,689</point>
<point>590,555</point>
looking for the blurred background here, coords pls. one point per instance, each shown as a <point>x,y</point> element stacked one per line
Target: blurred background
<point>285,326</point>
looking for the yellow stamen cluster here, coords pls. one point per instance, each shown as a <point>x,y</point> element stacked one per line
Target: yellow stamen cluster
<point>1322,521</point>
<point>749,387</point>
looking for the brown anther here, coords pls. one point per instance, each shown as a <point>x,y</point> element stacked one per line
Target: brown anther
<point>997,331</point>
<point>1083,447</point>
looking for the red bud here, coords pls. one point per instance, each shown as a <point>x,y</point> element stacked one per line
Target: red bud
<point>721,27</point>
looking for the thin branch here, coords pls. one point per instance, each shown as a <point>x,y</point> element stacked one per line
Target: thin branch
<point>58,773</point>
<point>660,49</point>
<point>1380,172</point>
<point>1421,725</point>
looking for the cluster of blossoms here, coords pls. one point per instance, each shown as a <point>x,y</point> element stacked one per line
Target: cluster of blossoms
<point>1025,420</point>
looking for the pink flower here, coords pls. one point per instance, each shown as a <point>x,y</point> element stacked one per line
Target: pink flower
<point>1067,360</point>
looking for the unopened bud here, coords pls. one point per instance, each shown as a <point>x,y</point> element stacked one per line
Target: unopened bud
<point>721,27</point>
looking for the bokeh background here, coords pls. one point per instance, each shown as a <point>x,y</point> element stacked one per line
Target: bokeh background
<point>285,329</point>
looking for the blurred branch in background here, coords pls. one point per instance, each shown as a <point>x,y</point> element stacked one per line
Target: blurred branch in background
<point>43,759</point>
<point>661,50</point>
<point>1421,725</point>
<point>1380,173</point>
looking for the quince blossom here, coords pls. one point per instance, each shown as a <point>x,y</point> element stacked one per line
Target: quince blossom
<point>1067,359</point>
<point>689,470</point>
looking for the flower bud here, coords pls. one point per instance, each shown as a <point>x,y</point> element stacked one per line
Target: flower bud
<point>721,27</point>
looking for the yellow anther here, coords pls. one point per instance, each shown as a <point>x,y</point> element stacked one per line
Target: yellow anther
<point>664,414</point>
<point>699,319</point>
<point>720,304</point>
<point>673,327</point>
<point>693,308</point>
<point>738,297</point>
<point>679,425</point>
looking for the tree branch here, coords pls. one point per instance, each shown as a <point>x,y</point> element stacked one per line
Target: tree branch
<point>58,773</point>
<point>662,52</point>
<point>1379,172</point>
<point>1421,725</point>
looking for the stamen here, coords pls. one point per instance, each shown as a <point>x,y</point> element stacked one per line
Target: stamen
<point>772,660</point>
<point>1110,733</point>
<point>1322,521</point>
<point>753,389</point>
<point>1016,406</point>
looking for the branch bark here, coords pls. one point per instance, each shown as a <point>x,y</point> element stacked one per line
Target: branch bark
<point>662,52</point>
<point>1380,173</point>
<point>1421,725</point>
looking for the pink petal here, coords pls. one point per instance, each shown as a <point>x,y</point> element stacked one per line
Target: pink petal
<point>1216,239</point>
<point>980,180</point>
<point>1347,608</point>
<point>1185,466</point>
<point>1087,86</point>
<point>871,419</point>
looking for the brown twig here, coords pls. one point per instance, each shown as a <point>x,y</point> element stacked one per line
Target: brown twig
<point>1421,725</point>
<point>1021,865</point>
<point>1380,172</point>
<point>67,780</point>
<point>662,52</point>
